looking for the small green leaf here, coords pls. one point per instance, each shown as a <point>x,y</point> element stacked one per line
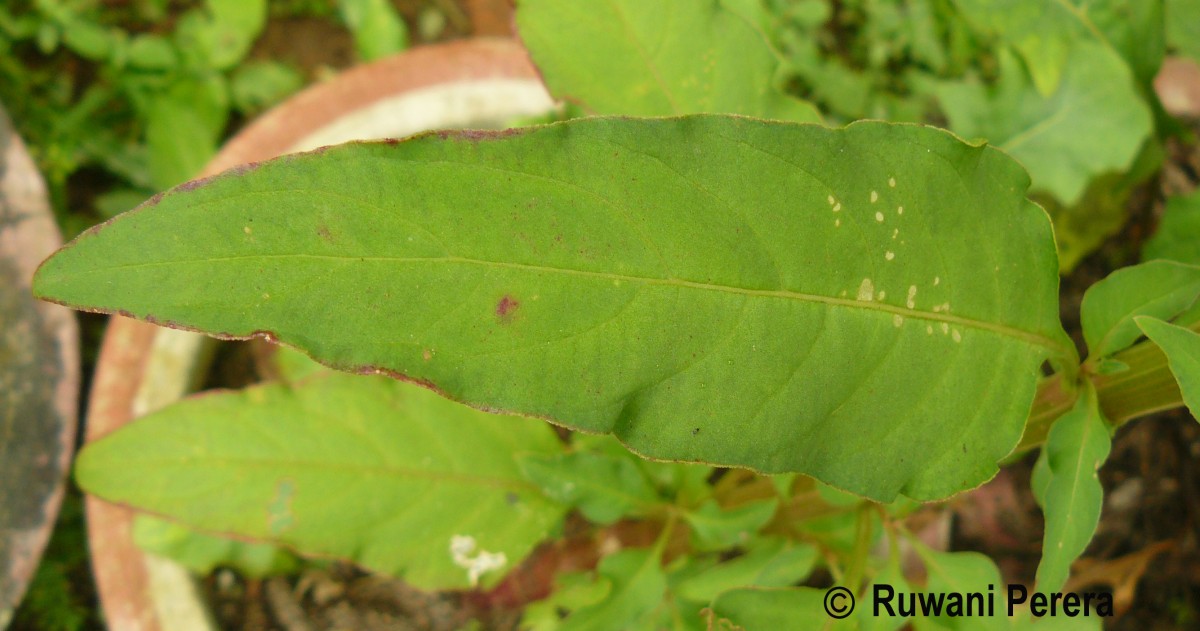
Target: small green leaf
<point>230,29</point>
<point>709,289</point>
<point>89,39</point>
<point>716,528</point>
<point>638,585</point>
<point>1182,347</point>
<point>1178,234</point>
<point>1025,621</point>
<point>1161,289</point>
<point>152,52</point>
<point>770,562</point>
<point>658,58</point>
<point>572,590</point>
<point>754,608</point>
<point>257,85</point>
<point>1069,490</point>
<point>965,573</point>
<point>364,468</point>
<point>378,29</point>
<point>893,588</point>
<point>183,126</point>
<point>605,488</point>
<point>202,553</point>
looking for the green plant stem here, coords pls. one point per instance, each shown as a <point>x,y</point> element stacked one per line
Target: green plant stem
<point>1145,388</point>
<point>857,565</point>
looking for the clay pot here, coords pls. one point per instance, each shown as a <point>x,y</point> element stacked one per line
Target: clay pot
<point>39,375</point>
<point>472,83</point>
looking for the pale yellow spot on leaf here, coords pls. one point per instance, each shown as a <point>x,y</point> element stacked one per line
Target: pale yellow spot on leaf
<point>866,290</point>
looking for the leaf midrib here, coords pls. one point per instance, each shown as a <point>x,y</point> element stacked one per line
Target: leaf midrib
<point>1000,329</point>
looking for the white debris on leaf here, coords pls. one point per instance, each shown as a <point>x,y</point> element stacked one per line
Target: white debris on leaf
<point>866,291</point>
<point>461,548</point>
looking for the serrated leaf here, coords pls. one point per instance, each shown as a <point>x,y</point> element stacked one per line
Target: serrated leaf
<point>770,562</point>
<point>638,585</point>
<point>1070,492</point>
<point>1178,234</point>
<point>1095,123</point>
<point>1182,347</point>
<point>716,528</point>
<point>709,288</point>
<point>755,608</point>
<point>658,58</point>
<point>364,468</point>
<point>1161,289</point>
<point>605,488</point>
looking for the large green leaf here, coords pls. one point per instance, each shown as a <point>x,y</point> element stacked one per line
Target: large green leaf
<point>781,297</point>
<point>1161,289</point>
<point>658,58</point>
<point>364,468</point>
<point>1068,488</point>
<point>1182,347</point>
<point>1094,123</point>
